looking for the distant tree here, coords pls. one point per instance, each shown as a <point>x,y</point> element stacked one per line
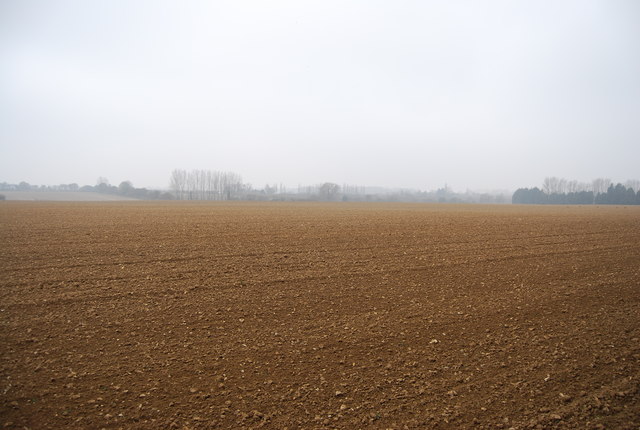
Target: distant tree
<point>207,185</point>
<point>2,197</point>
<point>619,194</point>
<point>126,188</point>
<point>556,199</point>
<point>584,198</point>
<point>443,194</point>
<point>615,195</point>
<point>629,197</point>
<point>329,191</point>
<point>178,183</point>
<point>143,193</point>
<point>519,196</point>
<point>562,186</point>
<point>634,184</point>
<point>270,190</point>
<point>600,185</point>
<point>609,196</point>
<point>572,186</point>
<point>529,196</point>
<point>73,187</point>
<point>600,198</point>
<point>538,196</point>
<point>102,186</point>
<point>554,185</point>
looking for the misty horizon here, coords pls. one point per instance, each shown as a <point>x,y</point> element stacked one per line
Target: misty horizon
<point>411,95</point>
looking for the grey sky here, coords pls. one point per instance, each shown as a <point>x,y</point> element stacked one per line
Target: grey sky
<point>480,95</point>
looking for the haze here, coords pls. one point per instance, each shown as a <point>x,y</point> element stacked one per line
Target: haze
<point>477,95</point>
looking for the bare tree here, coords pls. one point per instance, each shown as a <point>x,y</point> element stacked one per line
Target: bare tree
<point>634,184</point>
<point>584,186</point>
<point>178,183</point>
<point>600,185</point>
<point>573,186</point>
<point>562,186</point>
<point>233,185</point>
<point>206,185</point>
<point>547,185</point>
<point>202,184</point>
<point>554,185</point>
<point>192,183</point>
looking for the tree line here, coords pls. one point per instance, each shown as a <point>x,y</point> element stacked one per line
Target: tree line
<point>207,185</point>
<point>127,189</point>
<point>102,186</point>
<point>560,191</point>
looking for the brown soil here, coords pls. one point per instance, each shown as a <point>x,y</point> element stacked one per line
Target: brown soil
<point>146,315</point>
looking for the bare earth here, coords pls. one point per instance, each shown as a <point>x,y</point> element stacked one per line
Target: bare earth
<point>176,315</point>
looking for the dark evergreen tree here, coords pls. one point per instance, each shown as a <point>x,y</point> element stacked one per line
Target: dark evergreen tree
<point>629,197</point>
<point>619,194</point>
<point>519,197</point>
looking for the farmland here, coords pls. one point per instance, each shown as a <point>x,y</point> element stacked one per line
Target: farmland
<point>308,315</point>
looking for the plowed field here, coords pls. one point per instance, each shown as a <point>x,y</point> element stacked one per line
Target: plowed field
<point>145,315</point>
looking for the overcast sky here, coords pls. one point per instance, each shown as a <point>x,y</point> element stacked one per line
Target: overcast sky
<point>416,94</point>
